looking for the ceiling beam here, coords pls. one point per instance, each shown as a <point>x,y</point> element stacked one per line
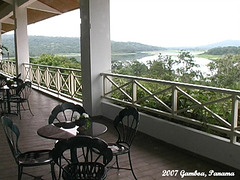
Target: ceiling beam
<point>8,21</point>
<point>25,3</point>
<point>43,7</point>
<point>8,1</point>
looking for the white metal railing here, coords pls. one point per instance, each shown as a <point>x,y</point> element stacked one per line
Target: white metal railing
<point>64,82</point>
<point>8,67</point>
<point>210,109</point>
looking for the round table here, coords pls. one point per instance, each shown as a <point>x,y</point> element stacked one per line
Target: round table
<point>61,131</point>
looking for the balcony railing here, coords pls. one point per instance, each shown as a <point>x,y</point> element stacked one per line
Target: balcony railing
<point>58,81</point>
<point>8,67</point>
<point>64,82</point>
<point>210,109</point>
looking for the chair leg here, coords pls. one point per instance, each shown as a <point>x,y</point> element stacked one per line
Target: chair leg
<point>20,168</point>
<point>130,162</point>
<point>29,108</point>
<point>126,168</point>
<point>18,110</point>
<point>53,172</point>
<point>117,162</point>
<point>2,109</point>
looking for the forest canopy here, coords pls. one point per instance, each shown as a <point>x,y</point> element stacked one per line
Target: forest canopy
<point>223,50</point>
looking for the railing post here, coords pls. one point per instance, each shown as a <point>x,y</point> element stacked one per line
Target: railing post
<point>71,86</point>
<point>26,69</point>
<point>47,79</point>
<point>31,73</point>
<point>234,122</point>
<point>9,67</point>
<point>12,68</point>
<point>38,76</point>
<point>104,85</point>
<point>58,81</point>
<point>134,92</point>
<point>174,100</point>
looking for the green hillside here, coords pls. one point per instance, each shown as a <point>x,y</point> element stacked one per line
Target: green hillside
<point>65,45</point>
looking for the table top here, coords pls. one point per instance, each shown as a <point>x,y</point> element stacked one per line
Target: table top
<point>6,87</point>
<point>64,130</point>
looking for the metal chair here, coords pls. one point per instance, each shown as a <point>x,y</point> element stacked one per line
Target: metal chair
<point>21,95</point>
<point>76,158</point>
<point>18,80</point>
<point>65,112</point>
<point>3,80</point>
<point>26,159</point>
<point>126,124</point>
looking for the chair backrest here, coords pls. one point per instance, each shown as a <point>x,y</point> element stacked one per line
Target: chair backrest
<point>18,80</point>
<point>27,90</point>
<point>82,156</point>
<point>12,134</point>
<point>65,112</point>
<point>3,80</point>
<point>24,90</point>
<point>126,123</point>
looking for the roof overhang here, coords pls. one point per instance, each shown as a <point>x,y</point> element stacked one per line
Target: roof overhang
<point>37,10</point>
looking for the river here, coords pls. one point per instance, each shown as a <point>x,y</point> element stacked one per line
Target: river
<point>202,62</point>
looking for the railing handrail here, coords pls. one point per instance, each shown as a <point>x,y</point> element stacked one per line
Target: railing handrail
<point>54,67</point>
<point>192,86</point>
<point>126,89</point>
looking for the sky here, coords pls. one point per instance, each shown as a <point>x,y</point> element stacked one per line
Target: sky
<point>165,23</point>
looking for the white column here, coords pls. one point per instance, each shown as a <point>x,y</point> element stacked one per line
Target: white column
<point>95,51</point>
<point>21,38</point>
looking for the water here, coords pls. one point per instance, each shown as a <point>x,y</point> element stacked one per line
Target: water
<point>144,58</point>
<point>202,62</point>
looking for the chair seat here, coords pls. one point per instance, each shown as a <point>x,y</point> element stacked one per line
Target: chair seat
<point>35,158</point>
<point>118,149</point>
<point>16,98</point>
<point>84,170</point>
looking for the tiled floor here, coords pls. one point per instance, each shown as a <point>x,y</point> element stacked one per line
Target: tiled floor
<point>151,157</point>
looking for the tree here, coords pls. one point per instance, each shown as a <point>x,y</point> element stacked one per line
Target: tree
<point>162,68</point>
<point>2,49</point>
<point>226,71</point>
<point>130,68</point>
<point>54,60</point>
<point>185,68</point>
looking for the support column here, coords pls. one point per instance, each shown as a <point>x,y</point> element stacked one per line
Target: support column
<point>95,51</point>
<point>21,38</point>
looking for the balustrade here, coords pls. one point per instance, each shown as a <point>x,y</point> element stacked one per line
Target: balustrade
<point>65,82</point>
<point>210,109</point>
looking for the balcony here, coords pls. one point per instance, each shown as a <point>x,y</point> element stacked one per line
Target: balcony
<point>172,145</point>
<point>150,155</point>
<point>209,134</point>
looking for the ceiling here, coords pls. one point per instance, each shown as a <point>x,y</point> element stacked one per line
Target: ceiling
<point>37,10</point>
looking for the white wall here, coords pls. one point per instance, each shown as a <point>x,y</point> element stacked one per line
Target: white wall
<point>204,144</point>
